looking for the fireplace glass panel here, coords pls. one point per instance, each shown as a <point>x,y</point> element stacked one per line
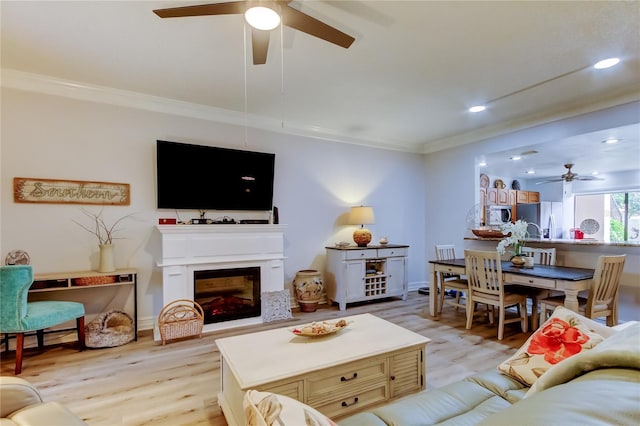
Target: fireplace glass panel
<point>228,294</point>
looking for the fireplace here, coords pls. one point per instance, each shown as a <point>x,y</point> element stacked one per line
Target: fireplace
<point>189,252</point>
<point>227,294</point>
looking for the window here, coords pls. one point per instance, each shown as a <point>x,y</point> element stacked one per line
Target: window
<point>611,216</point>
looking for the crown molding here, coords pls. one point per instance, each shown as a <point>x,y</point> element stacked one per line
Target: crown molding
<point>19,80</point>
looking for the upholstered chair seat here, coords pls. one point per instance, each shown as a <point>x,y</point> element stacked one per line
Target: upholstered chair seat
<point>19,316</point>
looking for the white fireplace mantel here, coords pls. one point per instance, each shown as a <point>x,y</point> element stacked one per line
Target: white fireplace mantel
<point>189,248</point>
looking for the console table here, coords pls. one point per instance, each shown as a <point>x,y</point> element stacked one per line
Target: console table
<point>76,285</point>
<point>356,274</point>
<point>369,362</point>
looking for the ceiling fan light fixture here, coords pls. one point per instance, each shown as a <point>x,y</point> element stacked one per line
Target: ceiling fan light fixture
<point>477,108</point>
<point>606,63</point>
<point>262,18</point>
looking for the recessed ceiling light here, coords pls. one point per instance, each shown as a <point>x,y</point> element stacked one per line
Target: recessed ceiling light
<point>530,172</point>
<point>606,63</point>
<point>477,108</point>
<point>594,173</point>
<point>611,141</point>
<point>515,158</point>
<point>482,163</point>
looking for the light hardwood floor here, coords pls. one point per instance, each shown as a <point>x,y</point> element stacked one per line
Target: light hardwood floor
<point>144,383</point>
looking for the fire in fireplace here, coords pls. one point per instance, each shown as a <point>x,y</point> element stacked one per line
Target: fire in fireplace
<point>228,294</point>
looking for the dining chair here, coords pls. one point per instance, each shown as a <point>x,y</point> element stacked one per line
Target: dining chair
<point>541,256</point>
<point>449,281</point>
<point>602,300</point>
<point>484,274</point>
<point>19,316</point>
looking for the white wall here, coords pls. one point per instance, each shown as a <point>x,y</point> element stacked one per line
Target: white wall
<point>316,182</point>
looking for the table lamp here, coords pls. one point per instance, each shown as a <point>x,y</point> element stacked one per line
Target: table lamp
<point>362,215</point>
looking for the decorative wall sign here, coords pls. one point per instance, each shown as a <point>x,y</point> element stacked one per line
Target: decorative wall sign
<point>32,190</point>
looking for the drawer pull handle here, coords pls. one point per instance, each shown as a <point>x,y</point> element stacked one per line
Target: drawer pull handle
<point>530,281</point>
<point>355,401</point>
<point>344,379</point>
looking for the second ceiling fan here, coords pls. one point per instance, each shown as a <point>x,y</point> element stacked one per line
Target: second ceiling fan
<point>569,176</point>
<point>289,16</point>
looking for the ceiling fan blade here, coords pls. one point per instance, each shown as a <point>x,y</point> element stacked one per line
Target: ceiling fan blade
<point>229,8</point>
<point>587,178</point>
<point>302,22</point>
<point>260,46</point>
<point>550,180</point>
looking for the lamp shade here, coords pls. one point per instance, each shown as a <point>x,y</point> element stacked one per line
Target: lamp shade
<point>362,215</point>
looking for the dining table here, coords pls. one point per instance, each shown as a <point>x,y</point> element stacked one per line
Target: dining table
<point>566,279</point>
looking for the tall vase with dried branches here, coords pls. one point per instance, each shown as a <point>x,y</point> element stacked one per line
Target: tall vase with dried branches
<point>105,235</point>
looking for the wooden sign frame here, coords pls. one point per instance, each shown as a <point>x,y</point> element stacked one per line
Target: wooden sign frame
<point>56,191</point>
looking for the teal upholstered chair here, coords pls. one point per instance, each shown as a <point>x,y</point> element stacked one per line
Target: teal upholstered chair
<point>18,316</point>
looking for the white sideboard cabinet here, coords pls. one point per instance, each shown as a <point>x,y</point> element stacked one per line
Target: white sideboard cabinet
<point>356,274</point>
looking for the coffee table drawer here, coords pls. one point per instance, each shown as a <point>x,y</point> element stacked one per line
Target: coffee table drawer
<point>355,402</point>
<point>345,379</point>
<point>293,390</point>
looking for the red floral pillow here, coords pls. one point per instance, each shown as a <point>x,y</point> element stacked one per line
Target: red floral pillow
<point>563,335</point>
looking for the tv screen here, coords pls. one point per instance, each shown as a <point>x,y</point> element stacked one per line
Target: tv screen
<point>211,178</point>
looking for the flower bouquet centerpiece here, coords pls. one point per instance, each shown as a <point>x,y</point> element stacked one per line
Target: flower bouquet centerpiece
<point>516,235</point>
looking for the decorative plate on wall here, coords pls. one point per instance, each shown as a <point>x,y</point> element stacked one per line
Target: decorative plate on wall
<point>515,185</point>
<point>589,226</point>
<point>17,257</point>
<point>484,181</point>
<point>498,183</point>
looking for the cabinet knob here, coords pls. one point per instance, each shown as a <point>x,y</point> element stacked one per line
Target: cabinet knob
<point>393,377</point>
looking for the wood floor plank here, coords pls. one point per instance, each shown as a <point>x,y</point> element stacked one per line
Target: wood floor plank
<point>144,383</point>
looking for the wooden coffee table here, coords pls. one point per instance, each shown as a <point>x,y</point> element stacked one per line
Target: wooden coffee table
<point>367,363</point>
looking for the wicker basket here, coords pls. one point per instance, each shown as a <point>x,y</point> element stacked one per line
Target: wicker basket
<point>180,318</point>
<point>97,280</point>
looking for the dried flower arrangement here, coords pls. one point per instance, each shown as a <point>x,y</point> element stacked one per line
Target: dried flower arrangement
<point>103,232</point>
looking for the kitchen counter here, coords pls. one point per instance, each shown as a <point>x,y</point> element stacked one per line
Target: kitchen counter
<point>583,242</point>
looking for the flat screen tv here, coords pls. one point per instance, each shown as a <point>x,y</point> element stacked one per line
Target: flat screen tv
<point>211,178</point>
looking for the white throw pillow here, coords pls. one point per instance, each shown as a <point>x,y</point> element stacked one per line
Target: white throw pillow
<point>267,409</point>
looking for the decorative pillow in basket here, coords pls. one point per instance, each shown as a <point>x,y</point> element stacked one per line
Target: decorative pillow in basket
<point>112,328</point>
<point>180,318</point>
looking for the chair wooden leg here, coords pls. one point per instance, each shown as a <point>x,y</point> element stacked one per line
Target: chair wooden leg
<point>501,322</point>
<point>471,307</point>
<point>19,348</point>
<point>524,318</point>
<point>80,326</point>
<point>40,337</point>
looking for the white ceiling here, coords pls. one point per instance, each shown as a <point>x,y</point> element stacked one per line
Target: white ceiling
<point>405,83</point>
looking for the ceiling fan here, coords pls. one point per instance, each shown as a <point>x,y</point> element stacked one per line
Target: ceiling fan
<point>569,176</point>
<point>260,37</point>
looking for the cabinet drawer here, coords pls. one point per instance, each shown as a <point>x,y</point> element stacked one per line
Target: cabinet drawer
<point>392,252</point>
<point>530,281</point>
<point>292,390</point>
<point>343,380</point>
<point>357,401</point>
<point>360,254</point>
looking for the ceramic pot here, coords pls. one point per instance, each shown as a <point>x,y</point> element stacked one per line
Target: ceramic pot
<point>308,288</point>
<point>107,258</point>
